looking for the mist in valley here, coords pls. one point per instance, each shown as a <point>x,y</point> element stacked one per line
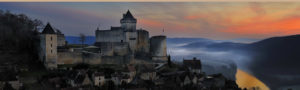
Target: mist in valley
<point>214,60</point>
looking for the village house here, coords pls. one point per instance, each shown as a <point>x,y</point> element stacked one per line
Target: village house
<point>130,71</point>
<point>80,78</point>
<point>148,72</point>
<point>215,80</point>
<point>99,78</point>
<point>194,65</point>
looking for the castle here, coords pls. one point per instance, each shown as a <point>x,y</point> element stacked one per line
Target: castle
<point>118,45</point>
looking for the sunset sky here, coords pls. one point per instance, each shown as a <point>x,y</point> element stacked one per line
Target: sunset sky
<point>215,20</point>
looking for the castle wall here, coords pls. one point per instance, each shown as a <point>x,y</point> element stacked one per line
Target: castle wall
<point>113,48</point>
<point>115,60</point>
<point>106,48</point>
<point>142,41</point>
<point>91,58</point>
<point>131,38</point>
<point>129,26</point>
<point>158,47</point>
<point>61,41</point>
<point>76,57</point>
<point>110,36</point>
<point>121,49</point>
<point>69,57</point>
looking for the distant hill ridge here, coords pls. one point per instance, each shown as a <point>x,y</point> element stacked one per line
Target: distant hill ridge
<point>90,40</point>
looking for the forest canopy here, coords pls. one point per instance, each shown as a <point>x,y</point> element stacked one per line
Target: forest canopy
<point>19,38</point>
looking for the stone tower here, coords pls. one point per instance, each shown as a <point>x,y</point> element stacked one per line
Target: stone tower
<point>128,22</point>
<point>158,48</point>
<point>48,44</point>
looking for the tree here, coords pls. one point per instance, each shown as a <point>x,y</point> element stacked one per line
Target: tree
<point>109,85</point>
<point>81,66</point>
<point>82,39</point>
<point>19,40</point>
<point>8,86</point>
<point>169,61</point>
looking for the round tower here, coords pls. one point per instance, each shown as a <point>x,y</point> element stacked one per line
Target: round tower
<point>128,22</point>
<point>158,47</point>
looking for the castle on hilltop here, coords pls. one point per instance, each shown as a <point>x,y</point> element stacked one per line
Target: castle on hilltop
<point>118,45</point>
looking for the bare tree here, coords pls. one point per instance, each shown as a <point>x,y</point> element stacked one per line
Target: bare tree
<point>82,39</point>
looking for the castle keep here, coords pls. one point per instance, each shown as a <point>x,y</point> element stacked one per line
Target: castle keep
<point>118,45</point>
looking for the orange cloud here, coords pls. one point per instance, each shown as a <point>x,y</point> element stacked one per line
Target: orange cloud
<point>152,23</point>
<point>193,17</point>
<point>157,25</point>
<point>284,26</point>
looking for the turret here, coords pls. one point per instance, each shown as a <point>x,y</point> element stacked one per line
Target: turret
<point>48,44</point>
<point>128,22</point>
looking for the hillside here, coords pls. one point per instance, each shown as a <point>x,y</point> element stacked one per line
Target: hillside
<point>276,59</point>
<point>270,60</point>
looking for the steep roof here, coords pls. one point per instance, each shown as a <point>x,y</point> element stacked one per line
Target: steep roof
<point>128,15</point>
<point>48,29</point>
<point>194,64</point>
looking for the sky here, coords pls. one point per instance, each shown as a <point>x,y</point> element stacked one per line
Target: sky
<point>214,20</point>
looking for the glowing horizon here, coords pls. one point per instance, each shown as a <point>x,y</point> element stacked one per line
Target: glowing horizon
<point>146,0</point>
<point>215,20</point>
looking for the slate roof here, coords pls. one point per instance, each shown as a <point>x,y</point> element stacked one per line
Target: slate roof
<point>48,30</point>
<point>59,32</point>
<point>128,15</point>
<point>77,76</point>
<point>194,64</point>
<point>79,79</point>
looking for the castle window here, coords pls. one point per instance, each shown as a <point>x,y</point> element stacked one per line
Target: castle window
<point>131,38</point>
<point>51,50</point>
<point>51,44</point>
<point>51,38</point>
